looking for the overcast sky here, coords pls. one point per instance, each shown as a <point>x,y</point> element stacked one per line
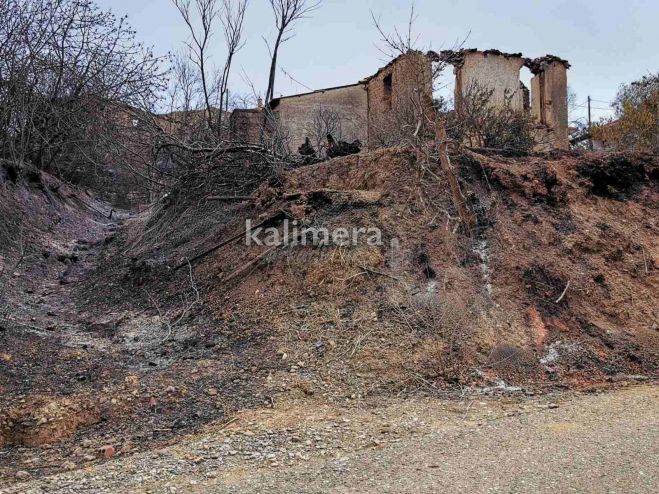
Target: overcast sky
<point>607,42</point>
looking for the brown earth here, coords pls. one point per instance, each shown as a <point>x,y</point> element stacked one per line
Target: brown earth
<point>104,342</point>
<point>556,285</point>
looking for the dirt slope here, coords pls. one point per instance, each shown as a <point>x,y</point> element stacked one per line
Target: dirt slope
<point>557,284</point>
<point>106,343</point>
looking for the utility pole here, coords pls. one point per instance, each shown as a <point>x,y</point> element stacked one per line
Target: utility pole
<point>590,136</point>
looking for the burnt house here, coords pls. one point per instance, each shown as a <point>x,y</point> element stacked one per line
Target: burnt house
<point>374,109</point>
<point>546,99</point>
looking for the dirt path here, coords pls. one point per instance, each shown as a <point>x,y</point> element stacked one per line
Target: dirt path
<point>567,443</point>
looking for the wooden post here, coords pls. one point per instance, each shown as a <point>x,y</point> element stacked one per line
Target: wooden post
<point>590,123</point>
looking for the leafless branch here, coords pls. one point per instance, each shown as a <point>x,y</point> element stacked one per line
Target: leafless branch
<point>165,322</point>
<point>200,17</point>
<point>397,43</point>
<point>286,13</point>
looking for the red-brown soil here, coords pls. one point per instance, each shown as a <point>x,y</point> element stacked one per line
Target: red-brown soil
<point>104,342</point>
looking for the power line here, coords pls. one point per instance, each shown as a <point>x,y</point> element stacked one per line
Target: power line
<point>594,107</point>
<point>585,102</point>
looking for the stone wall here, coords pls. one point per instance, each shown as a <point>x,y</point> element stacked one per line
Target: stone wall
<point>549,103</point>
<point>500,72</point>
<point>494,70</point>
<point>344,108</point>
<point>384,109</point>
<point>395,95</point>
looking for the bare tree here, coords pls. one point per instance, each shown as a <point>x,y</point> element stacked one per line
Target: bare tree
<point>233,17</point>
<point>397,42</point>
<point>412,119</point>
<point>71,78</point>
<point>200,17</point>
<point>286,13</point>
<point>324,121</point>
<point>184,91</point>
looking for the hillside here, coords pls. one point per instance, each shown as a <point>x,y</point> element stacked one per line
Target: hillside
<point>556,285</point>
<point>129,344</point>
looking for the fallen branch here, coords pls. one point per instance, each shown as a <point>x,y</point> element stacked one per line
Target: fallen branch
<point>458,199</point>
<point>186,309</point>
<point>258,258</point>
<point>564,292</point>
<point>347,196</point>
<point>229,198</point>
<point>242,269</point>
<point>276,217</point>
<point>213,150</point>
<point>373,271</point>
<point>227,424</point>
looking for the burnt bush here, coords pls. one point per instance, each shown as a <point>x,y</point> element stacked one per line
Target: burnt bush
<point>10,170</point>
<point>615,177</point>
<point>481,124</point>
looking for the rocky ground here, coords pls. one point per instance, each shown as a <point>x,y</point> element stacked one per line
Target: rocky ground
<point>599,442</point>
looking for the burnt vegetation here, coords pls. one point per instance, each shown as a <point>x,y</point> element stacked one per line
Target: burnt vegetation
<point>618,176</point>
<point>132,307</point>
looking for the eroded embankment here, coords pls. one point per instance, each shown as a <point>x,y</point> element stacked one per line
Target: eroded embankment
<point>555,286</point>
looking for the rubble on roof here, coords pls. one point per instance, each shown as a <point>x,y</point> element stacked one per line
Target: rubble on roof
<point>457,57</point>
<point>537,65</point>
<point>366,80</point>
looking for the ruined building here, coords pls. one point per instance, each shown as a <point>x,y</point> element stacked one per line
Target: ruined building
<point>375,109</point>
<point>500,72</point>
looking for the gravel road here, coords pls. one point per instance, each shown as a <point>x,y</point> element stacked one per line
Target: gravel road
<point>606,442</point>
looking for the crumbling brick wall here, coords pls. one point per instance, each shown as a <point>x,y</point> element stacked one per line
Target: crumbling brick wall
<point>397,93</point>
<point>296,114</point>
<point>245,125</point>
<point>500,72</point>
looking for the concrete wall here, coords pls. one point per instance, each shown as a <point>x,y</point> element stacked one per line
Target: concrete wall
<point>395,95</point>
<point>499,72</point>
<point>348,104</point>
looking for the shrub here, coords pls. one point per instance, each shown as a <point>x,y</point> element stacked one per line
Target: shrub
<point>479,123</point>
<point>636,125</point>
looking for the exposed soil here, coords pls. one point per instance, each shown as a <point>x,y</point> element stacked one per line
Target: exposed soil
<point>109,337</point>
<point>597,442</point>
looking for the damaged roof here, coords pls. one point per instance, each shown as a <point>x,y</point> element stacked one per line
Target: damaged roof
<point>392,62</point>
<point>457,57</point>
<point>537,65</point>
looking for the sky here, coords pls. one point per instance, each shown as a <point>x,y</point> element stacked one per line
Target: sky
<point>607,42</point>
